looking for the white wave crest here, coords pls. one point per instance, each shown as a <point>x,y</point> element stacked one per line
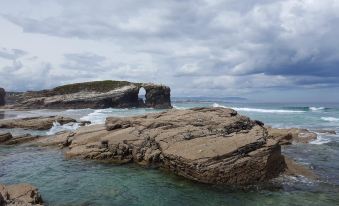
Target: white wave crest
<point>316,108</point>
<point>57,127</point>
<point>99,116</point>
<point>330,119</point>
<point>245,109</point>
<point>320,140</point>
<point>177,107</point>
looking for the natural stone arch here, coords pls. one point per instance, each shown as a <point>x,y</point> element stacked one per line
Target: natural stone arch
<point>157,96</point>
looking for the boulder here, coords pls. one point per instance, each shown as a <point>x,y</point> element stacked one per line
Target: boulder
<point>19,195</point>
<point>35,123</point>
<point>95,95</point>
<point>2,97</point>
<point>291,135</point>
<point>209,145</point>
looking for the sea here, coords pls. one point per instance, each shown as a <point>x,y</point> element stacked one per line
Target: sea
<point>82,182</point>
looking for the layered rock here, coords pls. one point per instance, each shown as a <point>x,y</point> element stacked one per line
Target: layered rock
<point>35,123</point>
<point>8,139</point>
<point>2,97</point>
<point>291,135</point>
<point>209,145</point>
<point>19,195</point>
<point>99,94</point>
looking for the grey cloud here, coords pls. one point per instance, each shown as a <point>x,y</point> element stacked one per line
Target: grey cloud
<point>11,54</point>
<point>213,44</point>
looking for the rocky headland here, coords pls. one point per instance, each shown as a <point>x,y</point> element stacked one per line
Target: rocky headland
<point>19,195</point>
<point>95,95</point>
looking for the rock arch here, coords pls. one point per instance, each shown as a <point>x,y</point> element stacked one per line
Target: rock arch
<point>157,96</point>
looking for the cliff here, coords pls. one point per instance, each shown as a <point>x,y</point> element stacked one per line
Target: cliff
<point>2,96</point>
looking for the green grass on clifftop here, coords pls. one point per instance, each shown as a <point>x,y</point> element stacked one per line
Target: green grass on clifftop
<point>96,86</point>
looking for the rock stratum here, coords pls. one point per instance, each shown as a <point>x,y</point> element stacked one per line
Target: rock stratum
<point>95,95</point>
<point>19,195</point>
<point>208,145</point>
<point>36,123</point>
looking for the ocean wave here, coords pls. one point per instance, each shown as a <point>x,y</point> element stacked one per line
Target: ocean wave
<point>177,107</point>
<point>316,108</point>
<point>96,117</point>
<point>99,116</point>
<point>245,109</point>
<point>57,127</point>
<point>320,140</point>
<point>330,119</point>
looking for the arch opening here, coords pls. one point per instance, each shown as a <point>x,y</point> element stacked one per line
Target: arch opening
<point>142,95</point>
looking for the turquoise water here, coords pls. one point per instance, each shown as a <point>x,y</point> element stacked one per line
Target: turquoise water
<point>78,182</point>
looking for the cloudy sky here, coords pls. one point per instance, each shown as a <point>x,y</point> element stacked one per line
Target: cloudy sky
<point>265,50</point>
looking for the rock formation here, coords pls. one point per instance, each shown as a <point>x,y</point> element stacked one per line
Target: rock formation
<point>19,195</point>
<point>7,139</point>
<point>99,94</point>
<point>291,135</point>
<point>209,145</point>
<point>2,97</point>
<point>35,123</point>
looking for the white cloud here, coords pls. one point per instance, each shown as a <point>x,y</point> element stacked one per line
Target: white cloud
<point>227,45</point>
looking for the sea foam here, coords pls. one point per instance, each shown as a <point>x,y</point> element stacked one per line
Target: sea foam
<point>57,127</point>
<point>330,119</point>
<point>316,108</point>
<point>245,109</point>
<point>320,140</point>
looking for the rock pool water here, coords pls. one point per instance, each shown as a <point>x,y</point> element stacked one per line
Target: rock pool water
<point>79,182</point>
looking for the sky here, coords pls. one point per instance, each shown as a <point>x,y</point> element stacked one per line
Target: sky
<point>263,50</point>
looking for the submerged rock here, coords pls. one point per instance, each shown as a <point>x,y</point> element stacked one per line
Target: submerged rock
<point>35,123</point>
<point>292,135</point>
<point>294,169</point>
<point>2,97</point>
<point>326,131</point>
<point>98,94</point>
<point>209,145</point>
<point>19,195</point>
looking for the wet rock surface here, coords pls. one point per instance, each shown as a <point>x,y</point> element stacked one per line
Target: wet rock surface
<point>292,135</point>
<point>209,145</point>
<point>19,195</point>
<point>326,131</point>
<point>35,123</point>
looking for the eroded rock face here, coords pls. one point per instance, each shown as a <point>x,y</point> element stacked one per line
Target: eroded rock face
<point>291,135</point>
<point>36,123</point>
<point>209,145</point>
<point>96,95</point>
<point>19,195</point>
<point>157,96</point>
<point>2,97</point>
